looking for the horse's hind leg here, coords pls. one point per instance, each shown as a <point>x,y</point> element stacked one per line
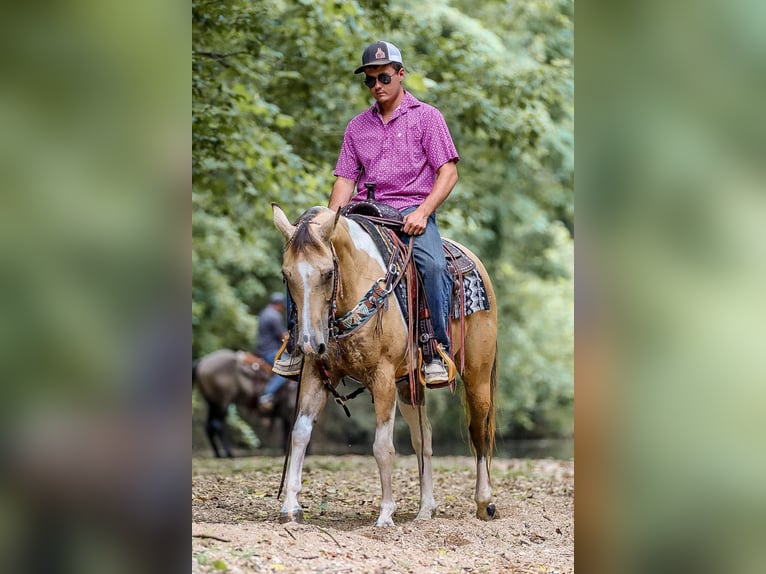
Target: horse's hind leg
<point>423,449</point>
<point>216,427</point>
<point>480,409</point>
<point>312,400</point>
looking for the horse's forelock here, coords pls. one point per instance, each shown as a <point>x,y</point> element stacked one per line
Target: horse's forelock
<point>308,215</point>
<point>304,240</point>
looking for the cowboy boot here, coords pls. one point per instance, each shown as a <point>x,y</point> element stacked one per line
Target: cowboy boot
<point>435,373</point>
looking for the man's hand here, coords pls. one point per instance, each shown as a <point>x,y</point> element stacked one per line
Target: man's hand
<point>415,222</point>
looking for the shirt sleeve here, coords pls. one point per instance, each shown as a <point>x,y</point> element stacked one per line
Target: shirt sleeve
<point>348,164</point>
<point>437,140</point>
<point>275,327</point>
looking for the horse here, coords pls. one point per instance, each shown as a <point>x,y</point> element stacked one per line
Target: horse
<point>329,263</point>
<point>226,377</point>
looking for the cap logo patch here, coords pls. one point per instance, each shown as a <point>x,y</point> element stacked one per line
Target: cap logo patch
<point>380,54</point>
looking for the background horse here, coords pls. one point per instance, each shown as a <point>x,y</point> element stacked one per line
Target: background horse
<point>330,264</point>
<point>225,377</point>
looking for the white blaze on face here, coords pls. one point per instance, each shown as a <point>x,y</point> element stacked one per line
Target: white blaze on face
<point>305,270</point>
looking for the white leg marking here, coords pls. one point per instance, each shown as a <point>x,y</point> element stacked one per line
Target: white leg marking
<point>410,414</point>
<point>483,491</point>
<point>300,440</point>
<point>383,449</point>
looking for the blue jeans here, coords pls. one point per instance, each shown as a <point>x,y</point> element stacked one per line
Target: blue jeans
<point>432,265</point>
<point>276,382</point>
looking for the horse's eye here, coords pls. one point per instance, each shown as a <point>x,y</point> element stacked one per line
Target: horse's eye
<point>327,275</point>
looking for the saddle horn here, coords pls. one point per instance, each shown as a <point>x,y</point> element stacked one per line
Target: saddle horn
<point>370,185</point>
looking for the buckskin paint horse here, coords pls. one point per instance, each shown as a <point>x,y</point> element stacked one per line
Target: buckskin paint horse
<point>225,377</point>
<point>329,264</point>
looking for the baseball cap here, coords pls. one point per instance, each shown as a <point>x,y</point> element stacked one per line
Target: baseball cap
<point>277,297</point>
<point>378,54</point>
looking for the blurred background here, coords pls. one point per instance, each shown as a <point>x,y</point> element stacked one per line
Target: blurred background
<point>94,286</point>
<point>95,274</point>
<point>670,287</point>
<point>273,89</point>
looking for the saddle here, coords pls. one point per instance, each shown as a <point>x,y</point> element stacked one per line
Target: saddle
<point>251,364</point>
<point>458,263</point>
<point>381,223</point>
<point>410,293</point>
<point>373,210</point>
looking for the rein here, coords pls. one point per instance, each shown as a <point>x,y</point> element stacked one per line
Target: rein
<point>339,399</point>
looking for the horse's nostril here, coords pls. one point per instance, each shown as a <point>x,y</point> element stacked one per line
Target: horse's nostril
<point>321,348</point>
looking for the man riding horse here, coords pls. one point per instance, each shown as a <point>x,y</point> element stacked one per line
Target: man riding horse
<point>268,340</point>
<point>403,149</point>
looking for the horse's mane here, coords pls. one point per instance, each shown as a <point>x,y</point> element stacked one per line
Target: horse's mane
<point>303,240</point>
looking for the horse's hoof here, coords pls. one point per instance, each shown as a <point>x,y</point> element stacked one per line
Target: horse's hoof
<point>292,516</point>
<point>488,513</point>
<point>426,512</point>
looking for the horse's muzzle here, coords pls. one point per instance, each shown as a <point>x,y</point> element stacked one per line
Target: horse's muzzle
<point>313,348</point>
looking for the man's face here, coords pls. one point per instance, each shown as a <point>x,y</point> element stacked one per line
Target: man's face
<point>385,92</point>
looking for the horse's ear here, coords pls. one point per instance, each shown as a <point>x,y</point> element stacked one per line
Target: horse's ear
<point>325,231</point>
<point>281,221</point>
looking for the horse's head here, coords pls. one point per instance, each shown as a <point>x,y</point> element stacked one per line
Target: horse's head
<point>309,267</point>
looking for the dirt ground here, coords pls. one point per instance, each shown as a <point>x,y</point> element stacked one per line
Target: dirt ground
<point>235,518</point>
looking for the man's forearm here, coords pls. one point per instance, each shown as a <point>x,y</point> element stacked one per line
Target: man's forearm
<point>342,190</point>
<point>446,179</point>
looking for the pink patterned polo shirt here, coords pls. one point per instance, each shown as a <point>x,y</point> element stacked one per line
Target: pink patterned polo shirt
<point>401,157</point>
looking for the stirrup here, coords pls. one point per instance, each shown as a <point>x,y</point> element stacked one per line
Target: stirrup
<point>289,367</point>
<point>437,380</point>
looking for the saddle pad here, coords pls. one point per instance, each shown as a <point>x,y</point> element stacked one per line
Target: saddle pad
<point>457,261</point>
<point>475,295</point>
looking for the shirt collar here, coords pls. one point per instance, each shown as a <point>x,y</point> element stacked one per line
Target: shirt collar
<point>408,101</point>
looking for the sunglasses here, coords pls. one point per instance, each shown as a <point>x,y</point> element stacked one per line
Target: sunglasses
<point>384,78</point>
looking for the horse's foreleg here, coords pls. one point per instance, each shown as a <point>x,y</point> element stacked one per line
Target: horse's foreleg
<point>424,451</point>
<point>383,449</point>
<point>312,400</point>
<point>211,431</point>
<point>214,427</point>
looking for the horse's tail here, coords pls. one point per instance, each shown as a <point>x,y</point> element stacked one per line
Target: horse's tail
<point>491,414</point>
